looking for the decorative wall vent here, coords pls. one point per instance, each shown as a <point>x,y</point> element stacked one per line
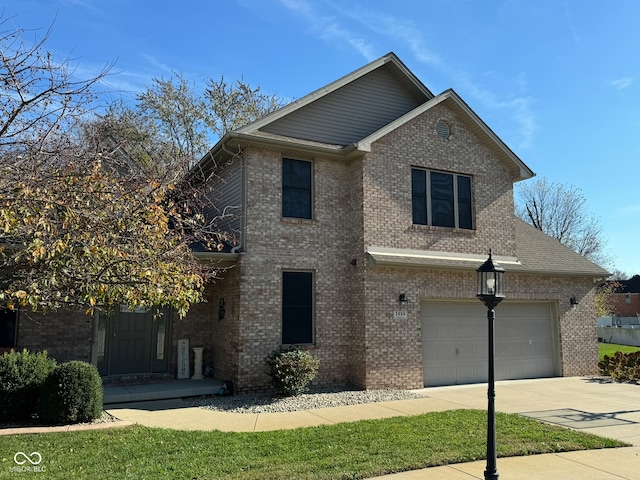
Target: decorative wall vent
<point>442,128</point>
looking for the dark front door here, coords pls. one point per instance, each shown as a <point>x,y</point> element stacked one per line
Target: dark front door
<point>131,342</point>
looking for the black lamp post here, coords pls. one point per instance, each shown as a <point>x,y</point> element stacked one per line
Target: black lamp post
<point>491,293</point>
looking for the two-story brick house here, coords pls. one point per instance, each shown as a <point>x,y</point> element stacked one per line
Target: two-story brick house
<point>362,211</point>
<point>365,208</point>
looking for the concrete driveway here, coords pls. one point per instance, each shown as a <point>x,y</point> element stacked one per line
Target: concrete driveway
<point>593,405</point>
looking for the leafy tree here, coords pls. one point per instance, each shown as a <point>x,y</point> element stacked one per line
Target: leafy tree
<point>561,212</point>
<point>234,105</point>
<point>174,115</point>
<point>101,210</point>
<point>80,223</point>
<point>605,298</point>
<point>169,129</point>
<point>171,126</point>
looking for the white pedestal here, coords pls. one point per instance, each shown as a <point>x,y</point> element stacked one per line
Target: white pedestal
<point>183,358</point>
<point>197,364</point>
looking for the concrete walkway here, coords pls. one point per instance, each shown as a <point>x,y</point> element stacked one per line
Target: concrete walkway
<point>599,407</point>
<point>603,408</point>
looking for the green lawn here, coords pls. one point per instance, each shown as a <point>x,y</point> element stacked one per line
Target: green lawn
<point>343,451</point>
<point>611,348</point>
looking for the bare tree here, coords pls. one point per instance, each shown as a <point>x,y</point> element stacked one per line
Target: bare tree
<point>561,212</point>
<point>39,97</point>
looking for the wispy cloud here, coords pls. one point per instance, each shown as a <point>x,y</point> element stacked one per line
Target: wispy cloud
<point>336,22</point>
<point>630,210</point>
<point>157,65</point>
<point>327,28</point>
<point>573,30</point>
<point>525,119</point>
<point>518,106</point>
<point>621,83</point>
<point>399,29</point>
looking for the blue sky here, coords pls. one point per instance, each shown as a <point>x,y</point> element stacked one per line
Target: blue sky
<point>558,81</point>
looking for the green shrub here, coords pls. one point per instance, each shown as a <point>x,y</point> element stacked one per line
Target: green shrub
<point>21,376</point>
<point>624,367</point>
<point>291,370</point>
<point>72,393</point>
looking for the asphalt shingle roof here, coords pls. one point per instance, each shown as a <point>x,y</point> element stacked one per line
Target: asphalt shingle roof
<point>540,253</point>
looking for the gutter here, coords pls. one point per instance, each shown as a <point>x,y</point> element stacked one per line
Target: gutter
<point>222,260</point>
<point>276,142</point>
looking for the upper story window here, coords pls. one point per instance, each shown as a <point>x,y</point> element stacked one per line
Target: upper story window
<point>441,199</point>
<point>296,188</point>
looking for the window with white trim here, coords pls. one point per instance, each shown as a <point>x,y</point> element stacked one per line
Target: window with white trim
<point>441,199</point>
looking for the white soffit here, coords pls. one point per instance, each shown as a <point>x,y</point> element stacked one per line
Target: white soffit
<point>391,256</point>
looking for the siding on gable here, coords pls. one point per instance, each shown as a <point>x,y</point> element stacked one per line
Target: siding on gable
<point>228,193</point>
<point>350,113</point>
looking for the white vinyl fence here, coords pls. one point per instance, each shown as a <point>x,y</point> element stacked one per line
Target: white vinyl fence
<point>620,335</point>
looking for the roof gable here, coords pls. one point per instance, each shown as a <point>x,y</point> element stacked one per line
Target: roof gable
<point>519,170</point>
<point>350,108</point>
<point>344,118</point>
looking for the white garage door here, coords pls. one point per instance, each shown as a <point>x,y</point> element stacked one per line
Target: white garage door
<point>455,349</point>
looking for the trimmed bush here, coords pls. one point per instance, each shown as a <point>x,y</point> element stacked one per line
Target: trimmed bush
<point>291,370</point>
<point>623,367</point>
<point>72,393</point>
<point>21,376</point>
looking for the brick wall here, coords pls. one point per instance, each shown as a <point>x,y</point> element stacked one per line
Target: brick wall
<point>66,335</point>
<point>394,346</point>
<point>367,202</point>
<point>387,187</point>
<point>626,304</point>
<point>323,245</point>
<point>225,333</point>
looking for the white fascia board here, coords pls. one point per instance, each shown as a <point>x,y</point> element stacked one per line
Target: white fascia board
<point>433,255</point>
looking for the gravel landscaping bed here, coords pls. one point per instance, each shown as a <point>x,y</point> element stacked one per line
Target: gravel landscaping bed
<point>266,403</point>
